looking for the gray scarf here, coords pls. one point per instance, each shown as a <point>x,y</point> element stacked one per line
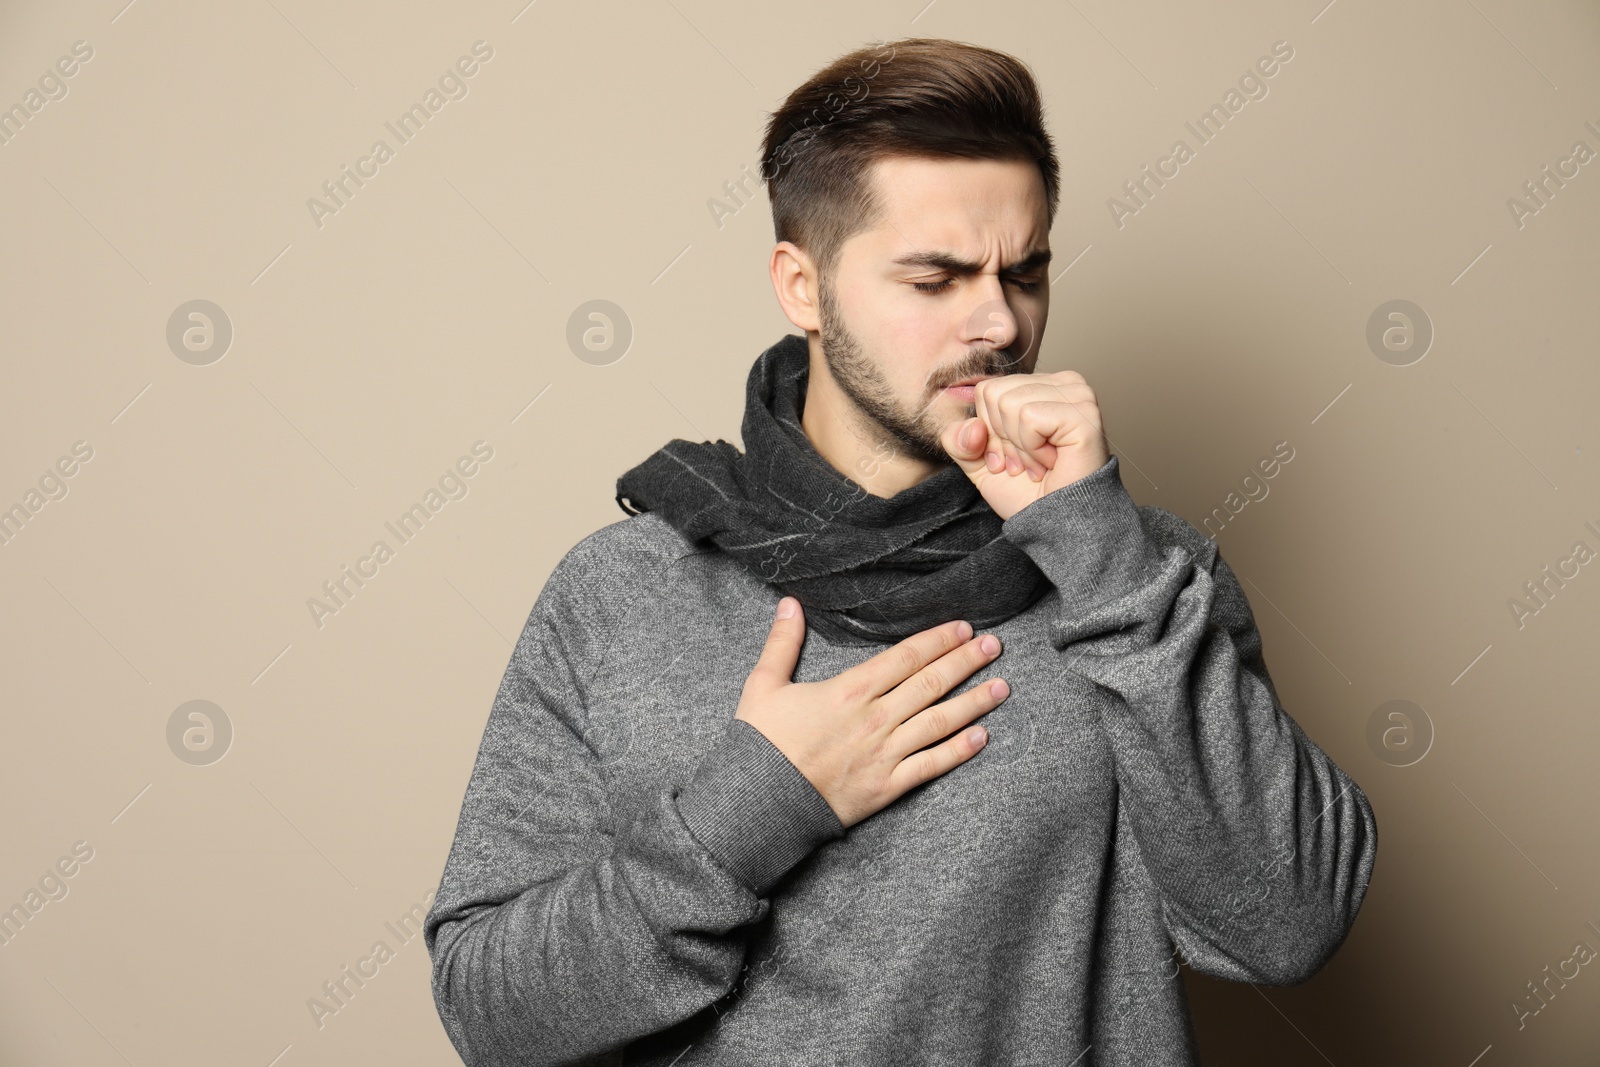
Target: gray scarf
<point>867,569</point>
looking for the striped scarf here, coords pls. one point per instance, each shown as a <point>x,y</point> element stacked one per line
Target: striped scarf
<point>867,569</point>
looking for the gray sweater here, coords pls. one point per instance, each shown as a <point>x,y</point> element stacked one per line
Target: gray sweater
<point>639,878</point>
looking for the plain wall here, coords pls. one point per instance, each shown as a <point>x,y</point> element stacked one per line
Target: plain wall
<point>374,345</point>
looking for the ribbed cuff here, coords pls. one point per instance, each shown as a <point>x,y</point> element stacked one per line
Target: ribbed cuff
<point>1086,537</point>
<point>754,810</point>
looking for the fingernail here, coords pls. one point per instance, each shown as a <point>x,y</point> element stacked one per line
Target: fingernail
<point>786,608</point>
<point>990,644</point>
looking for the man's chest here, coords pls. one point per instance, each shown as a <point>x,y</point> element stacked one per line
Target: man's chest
<point>673,678</point>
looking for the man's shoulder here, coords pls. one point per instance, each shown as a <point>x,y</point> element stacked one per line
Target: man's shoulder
<point>1169,528</point>
<point>632,545</point>
<point>1169,525</point>
<point>601,577</point>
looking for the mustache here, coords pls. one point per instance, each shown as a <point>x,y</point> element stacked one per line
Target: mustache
<point>996,363</point>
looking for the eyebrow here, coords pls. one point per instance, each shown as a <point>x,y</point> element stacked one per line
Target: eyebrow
<point>954,264</point>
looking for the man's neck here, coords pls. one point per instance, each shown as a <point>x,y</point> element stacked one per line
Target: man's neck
<point>852,444</point>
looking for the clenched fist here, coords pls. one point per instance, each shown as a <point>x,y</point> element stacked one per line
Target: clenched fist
<point>1033,434</point>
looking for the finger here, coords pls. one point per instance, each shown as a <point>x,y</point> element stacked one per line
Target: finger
<point>935,680</point>
<point>1004,458</point>
<point>781,653</point>
<point>1080,400</point>
<point>930,763</point>
<point>1014,464</point>
<point>1042,429</point>
<point>994,461</point>
<point>942,720</point>
<point>985,402</point>
<point>1025,395</point>
<point>895,664</point>
<point>1019,462</point>
<point>1010,408</point>
<point>966,442</point>
<point>1042,423</point>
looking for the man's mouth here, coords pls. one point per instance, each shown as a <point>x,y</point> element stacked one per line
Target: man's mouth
<point>964,390</point>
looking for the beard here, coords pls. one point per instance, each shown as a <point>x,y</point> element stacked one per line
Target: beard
<point>916,431</point>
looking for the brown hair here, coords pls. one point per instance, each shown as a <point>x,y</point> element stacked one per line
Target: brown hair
<point>918,96</point>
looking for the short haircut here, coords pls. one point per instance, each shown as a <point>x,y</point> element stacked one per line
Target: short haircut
<point>918,96</point>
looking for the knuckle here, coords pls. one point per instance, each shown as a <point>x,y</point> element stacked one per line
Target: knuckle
<point>917,766</point>
<point>852,689</point>
<point>877,718</point>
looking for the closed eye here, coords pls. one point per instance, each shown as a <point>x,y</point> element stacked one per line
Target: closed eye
<point>944,283</point>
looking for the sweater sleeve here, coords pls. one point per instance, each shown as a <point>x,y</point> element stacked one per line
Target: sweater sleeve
<point>1260,846</point>
<point>556,937</point>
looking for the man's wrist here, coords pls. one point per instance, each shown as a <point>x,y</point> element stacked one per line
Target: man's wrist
<point>754,810</point>
<point>1086,537</point>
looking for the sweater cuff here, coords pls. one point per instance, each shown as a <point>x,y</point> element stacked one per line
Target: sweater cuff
<point>1086,537</point>
<point>754,810</point>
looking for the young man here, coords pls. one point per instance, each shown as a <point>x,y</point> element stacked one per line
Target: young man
<point>730,806</point>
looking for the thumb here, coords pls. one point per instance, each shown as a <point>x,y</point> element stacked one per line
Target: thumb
<point>966,441</point>
<point>781,654</point>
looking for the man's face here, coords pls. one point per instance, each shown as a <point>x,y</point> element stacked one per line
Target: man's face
<point>952,283</point>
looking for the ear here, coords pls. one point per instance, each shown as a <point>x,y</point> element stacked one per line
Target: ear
<point>795,282</point>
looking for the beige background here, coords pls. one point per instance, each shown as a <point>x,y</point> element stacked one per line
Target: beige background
<point>430,312</point>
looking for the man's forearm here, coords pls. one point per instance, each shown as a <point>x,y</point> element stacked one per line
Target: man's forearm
<point>1221,785</point>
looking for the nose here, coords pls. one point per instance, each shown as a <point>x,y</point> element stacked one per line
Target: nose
<point>992,323</point>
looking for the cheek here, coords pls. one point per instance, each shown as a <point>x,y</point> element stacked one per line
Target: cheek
<point>916,339</point>
<point>895,322</point>
<point>911,349</point>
